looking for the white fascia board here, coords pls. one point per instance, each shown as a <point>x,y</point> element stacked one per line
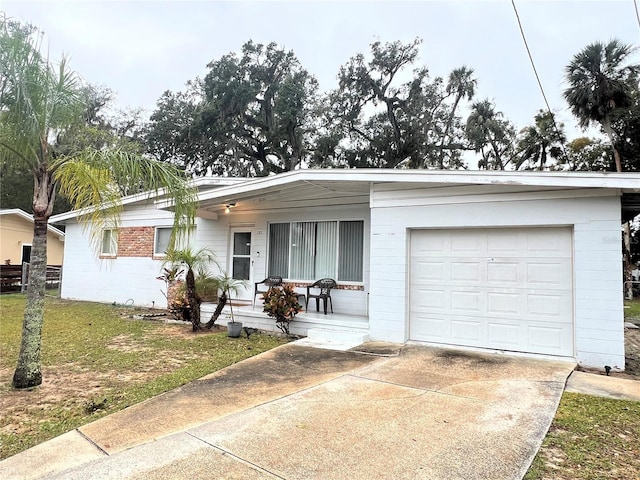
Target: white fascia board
<point>56,231</point>
<point>624,181</point>
<point>62,217</point>
<point>218,181</point>
<point>201,183</point>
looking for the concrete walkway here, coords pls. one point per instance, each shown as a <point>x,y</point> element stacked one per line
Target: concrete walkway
<point>603,386</point>
<point>304,413</point>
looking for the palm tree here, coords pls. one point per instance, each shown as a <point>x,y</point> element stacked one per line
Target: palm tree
<point>486,128</point>
<point>600,83</point>
<point>463,85</point>
<point>539,141</point>
<point>195,261</point>
<point>39,104</point>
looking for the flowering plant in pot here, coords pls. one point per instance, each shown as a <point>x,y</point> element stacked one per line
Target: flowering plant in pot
<point>282,304</point>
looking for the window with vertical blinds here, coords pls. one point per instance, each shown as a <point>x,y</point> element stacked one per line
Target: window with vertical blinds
<point>312,250</point>
<point>351,238</point>
<point>279,249</point>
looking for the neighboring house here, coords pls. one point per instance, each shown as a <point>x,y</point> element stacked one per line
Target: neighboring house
<point>16,235</point>
<point>512,261</point>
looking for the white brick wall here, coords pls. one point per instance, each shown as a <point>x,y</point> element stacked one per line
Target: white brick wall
<point>86,277</point>
<point>120,279</point>
<point>598,307</point>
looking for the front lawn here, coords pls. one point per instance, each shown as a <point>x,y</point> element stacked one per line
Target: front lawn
<point>590,438</point>
<point>632,310</point>
<point>97,360</point>
<point>593,437</point>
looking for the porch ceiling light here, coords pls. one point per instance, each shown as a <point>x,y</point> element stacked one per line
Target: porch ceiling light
<point>228,207</point>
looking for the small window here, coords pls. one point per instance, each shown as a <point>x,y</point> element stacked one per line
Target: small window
<point>163,237</point>
<point>109,242</point>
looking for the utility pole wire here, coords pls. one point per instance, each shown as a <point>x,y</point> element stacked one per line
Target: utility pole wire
<point>535,71</point>
<point>635,5</point>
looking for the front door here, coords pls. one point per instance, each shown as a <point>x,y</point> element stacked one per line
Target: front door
<point>26,254</point>
<point>241,263</point>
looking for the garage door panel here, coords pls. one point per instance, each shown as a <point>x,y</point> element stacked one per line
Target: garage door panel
<point>549,306</point>
<point>499,303</point>
<point>550,340</point>
<point>546,241</point>
<point>428,270</point>
<point>466,301</point>
<point>550,273</point>
<point>503,243</point>
<point>545,273</point>
<point>504,335</point>
<point>470,331</point>
<point>503,271</point>
<point>466,271</point>
<point>467,244</point>
<point>431,299</point>
<point>432,328</point>
<point>509,289</point>
<point>433,245</point>
<point>450,329</point>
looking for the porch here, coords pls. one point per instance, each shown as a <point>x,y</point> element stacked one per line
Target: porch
<point>333,327</point>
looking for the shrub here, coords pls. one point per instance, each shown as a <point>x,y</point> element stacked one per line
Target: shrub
<point>282,304</point>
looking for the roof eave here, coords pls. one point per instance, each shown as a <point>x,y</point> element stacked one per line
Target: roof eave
<point>547,179</point>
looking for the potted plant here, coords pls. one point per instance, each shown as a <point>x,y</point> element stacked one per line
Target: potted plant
<point>227,285</point>
<point>282,304</point>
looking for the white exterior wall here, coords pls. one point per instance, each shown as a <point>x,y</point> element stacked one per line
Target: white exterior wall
<point>217,236</point>
<point>133,279</point>
<point>122,280</point>
<point>594,216</point>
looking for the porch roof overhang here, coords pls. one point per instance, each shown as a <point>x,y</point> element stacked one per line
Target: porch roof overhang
<point>334,187</point>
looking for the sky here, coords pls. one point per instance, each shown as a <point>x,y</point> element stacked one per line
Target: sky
<point>139,49</point>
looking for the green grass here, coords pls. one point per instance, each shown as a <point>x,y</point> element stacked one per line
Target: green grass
<point>97,361</point>
<point>590,438</point>
<point>632,309</point>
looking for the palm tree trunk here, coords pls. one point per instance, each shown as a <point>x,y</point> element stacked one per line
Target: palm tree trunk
<point>626,230</point>
<point>28,372</point>
<point>222,301</point>
<point>627,264</point>
<point>496,152</point>
<point>446,132</point>
<point>606,124</point>
<point>543,158</point>
<point>193,299</point>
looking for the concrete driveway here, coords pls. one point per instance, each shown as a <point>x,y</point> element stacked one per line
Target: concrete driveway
<point>304,413</point>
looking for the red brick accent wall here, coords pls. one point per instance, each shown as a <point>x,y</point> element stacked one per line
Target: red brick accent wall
<point>135,241</point>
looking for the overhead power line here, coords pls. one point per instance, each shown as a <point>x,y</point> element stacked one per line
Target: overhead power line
<point>635,5</point>
<point>535,71</point>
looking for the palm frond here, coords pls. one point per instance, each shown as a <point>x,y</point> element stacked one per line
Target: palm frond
<point>36,98</point>
<point>96,181</point>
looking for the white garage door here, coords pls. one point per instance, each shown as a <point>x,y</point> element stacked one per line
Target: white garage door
<point>507,289</point>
